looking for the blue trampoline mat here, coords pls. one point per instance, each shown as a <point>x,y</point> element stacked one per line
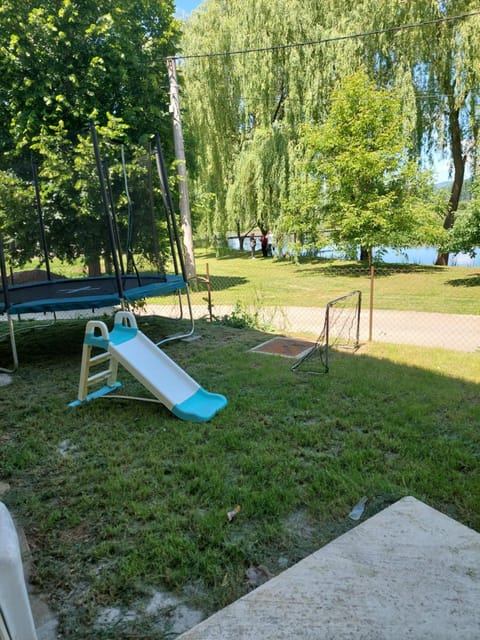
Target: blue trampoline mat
<point>85,293</point>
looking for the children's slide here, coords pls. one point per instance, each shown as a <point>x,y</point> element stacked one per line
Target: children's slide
<point>169,383</point>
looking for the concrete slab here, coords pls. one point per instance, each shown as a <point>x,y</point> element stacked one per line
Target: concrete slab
<point>407,573</point>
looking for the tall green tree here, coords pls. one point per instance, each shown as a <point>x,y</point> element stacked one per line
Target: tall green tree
<point>244,104</point>
<point>356,179</point>
<point>441,62</point>
<point>69,60</point>
<point>261,173</point>
<point>65,61</point>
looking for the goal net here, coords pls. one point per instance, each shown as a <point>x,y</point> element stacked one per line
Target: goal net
<point>341,331</point>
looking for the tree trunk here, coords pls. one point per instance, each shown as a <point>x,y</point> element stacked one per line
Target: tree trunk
<point>278,111</point>
<point>241,238</point>
<point>262,227</point>
<point>459,160</point>
<point>365,254</point>
<point>108,262</point>
<point>94,267</point>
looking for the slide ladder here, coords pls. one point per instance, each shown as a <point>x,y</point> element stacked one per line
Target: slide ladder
<point>128,346</point>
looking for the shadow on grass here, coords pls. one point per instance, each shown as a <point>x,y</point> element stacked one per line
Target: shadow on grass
<point>62,340</point>
<point>221,283</point>
<point>228,255</point>
<point>45,341</point>
<point>332,268</point>
<point>471,281</point>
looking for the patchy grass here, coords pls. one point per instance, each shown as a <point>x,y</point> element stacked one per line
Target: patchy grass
<point>124,505</point>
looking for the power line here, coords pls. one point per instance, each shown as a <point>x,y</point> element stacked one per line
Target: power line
<point>312,43</point>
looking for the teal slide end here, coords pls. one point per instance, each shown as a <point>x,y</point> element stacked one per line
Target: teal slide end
<point>200,407</point>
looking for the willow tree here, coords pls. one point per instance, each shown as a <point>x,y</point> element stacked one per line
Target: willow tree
<point>439,60</point>
<point>293,58</point>
<point>261,175</point>
<point>211,107</point>
<point>250,101</point>
<point>452,75</point>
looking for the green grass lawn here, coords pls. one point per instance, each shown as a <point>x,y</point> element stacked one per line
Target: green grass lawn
<point>120,500</point>
<point>310,283</point>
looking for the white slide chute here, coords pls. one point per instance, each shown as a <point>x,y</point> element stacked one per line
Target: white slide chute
<point>128,346</point>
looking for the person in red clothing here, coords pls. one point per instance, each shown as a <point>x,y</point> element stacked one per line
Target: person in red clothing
<point>264,243</point>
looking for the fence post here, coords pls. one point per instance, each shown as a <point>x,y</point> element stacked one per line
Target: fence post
<point>370,315</point>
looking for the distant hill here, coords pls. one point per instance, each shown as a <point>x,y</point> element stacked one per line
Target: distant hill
<point>447,185</point>
<point>442,185</point>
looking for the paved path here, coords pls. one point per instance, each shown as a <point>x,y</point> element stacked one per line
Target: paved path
<point>449,331</point>
<point>456,332</point>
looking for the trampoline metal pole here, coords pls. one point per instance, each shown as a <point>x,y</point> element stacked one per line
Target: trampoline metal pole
<point>41,222</point>
<point>170,208</point>
<point>116,232</point>
<point>3,275</point>
<point>106,208</point>
<point>6,300</point>
<point>167,212</point>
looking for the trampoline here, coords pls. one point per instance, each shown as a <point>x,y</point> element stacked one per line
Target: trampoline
<point>68,294</point>
<point>106,291</point>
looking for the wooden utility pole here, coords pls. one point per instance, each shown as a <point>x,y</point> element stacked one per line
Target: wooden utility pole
<point>185,217</point>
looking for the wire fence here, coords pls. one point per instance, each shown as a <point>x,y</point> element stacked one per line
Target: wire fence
<point>418,318</point>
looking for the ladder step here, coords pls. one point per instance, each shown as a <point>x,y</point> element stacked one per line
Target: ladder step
<point>98,359</point>
<point>97,377</point>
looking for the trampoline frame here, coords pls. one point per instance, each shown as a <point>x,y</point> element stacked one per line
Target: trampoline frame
<point>94,293</point>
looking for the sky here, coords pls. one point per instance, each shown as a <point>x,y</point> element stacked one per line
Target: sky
<point>184,7</point>
<point>441,170</point>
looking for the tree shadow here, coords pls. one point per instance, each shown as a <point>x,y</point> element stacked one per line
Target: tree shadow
<point>331,268</point>
<point>471,281</point>
<point>311,432</point>
<point>391,269</point>
<point>220,283</point>
<point>228,254</point>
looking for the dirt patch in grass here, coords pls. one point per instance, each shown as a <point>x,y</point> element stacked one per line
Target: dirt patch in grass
<point>5,379</point>
<point>286,347</point>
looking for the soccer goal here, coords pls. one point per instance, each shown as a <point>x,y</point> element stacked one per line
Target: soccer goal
<point>341,331</point>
